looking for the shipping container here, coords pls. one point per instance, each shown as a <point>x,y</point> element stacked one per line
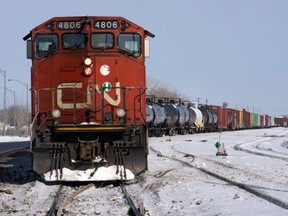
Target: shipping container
<point>278,121</point>
<point>262,121</point>
<point>285,121</point>
<point>240,123</point>
<point>246,119</point>
<point>255,120</point>
<point>231,119</point>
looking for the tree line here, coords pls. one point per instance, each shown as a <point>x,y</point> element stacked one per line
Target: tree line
<point>13,121</point>
<point>161,89</point>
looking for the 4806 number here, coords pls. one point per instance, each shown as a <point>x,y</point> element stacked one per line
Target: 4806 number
<point>69,25</point>
<point>106,24</point>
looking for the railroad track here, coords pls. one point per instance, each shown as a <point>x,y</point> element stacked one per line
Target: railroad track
<point>140,211</point>
<point>255,147</point>
<point>229,174</point>
<point>60,201</point>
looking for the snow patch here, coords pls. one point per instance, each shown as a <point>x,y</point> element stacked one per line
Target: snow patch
<point>13,139</point>
<point>101,174</point>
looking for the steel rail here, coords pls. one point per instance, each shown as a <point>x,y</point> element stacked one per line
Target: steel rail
<point>134,209</point>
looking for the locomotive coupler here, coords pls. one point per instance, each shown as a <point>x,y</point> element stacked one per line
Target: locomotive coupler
<point>89,149</point>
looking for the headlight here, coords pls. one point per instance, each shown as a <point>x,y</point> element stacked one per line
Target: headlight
<point>87,61</point>
<point>88,71</point>
<point>56,113</point>
<point>120,112</point>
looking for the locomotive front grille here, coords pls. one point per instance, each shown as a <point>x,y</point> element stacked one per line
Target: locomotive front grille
<point>90,128</point>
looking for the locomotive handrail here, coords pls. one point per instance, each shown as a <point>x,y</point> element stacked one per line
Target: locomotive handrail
<point>36,110</point>
<point>37,93</point>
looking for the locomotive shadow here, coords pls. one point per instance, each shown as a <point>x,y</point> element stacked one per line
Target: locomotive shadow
<point>16,168</point>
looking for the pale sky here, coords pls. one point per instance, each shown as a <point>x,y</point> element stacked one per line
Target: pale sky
<point>232,51</point>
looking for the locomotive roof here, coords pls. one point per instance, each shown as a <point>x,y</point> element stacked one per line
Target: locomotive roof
<point>72,18</point>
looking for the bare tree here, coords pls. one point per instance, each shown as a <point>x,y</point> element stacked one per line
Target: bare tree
<point>16,117</point>
<point>161,89</point>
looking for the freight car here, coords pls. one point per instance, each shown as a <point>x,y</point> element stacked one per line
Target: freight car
<point>210,119</point>
<point>88,90</point>
<point>155,117</point>
<point>172,116</point>
<point>163,117</point>
<point>222,120</point>
<point>195,122</point>
<point>169,116</point>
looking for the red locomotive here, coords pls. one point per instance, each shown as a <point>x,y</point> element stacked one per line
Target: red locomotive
<point>88,86</point>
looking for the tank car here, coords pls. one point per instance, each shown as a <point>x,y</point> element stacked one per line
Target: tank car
<point>195,121</point>
<point>88,84</point>
<point>171,116</point>
<point>210,119</point>
<point>155,117</point>
<point>177,116</point>
<point>183,118</point>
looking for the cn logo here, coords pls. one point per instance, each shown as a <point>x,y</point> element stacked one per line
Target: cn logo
<point>106,86</point>
<point>105,70</point>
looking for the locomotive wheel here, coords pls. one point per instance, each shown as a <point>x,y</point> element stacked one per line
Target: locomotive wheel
<point>159,133</point>
<point>172,132</point>
<point>183,131</point>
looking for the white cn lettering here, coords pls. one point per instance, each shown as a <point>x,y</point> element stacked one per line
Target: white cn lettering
<point>108,98</point>
<point>68,105</point>
<point>79,85</point>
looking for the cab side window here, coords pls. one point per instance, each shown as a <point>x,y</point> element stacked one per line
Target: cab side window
<point>130,44</point>
<point>45,45</point>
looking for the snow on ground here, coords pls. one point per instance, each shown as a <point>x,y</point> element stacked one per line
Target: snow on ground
<point>13,139</point>
<point>171,188</point>
<point>204,195</point>
<point>102,173</point>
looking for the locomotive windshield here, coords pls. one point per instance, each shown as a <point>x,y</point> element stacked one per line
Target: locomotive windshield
<point>102,40</point>
<point>130,43</point>
<point>127,43</point>
<point>45,45</point>
<point>73,41</point>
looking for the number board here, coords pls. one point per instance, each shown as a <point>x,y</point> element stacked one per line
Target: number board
<point>63,25</point>
<point>106,24</point>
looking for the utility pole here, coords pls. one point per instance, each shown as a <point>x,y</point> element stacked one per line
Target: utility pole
<point>198,100</point>
<point>14,110</point>
<point>27,108</point>
<point>3,72</point>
